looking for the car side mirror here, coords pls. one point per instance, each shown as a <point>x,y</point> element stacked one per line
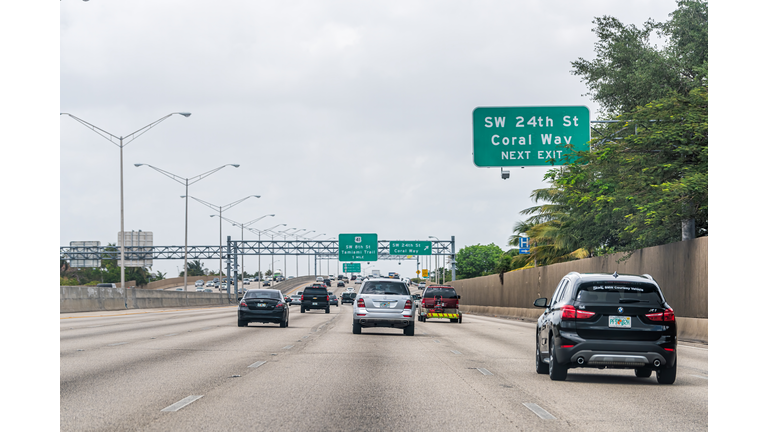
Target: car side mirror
<point>540,302</point>
<point>458,297</point>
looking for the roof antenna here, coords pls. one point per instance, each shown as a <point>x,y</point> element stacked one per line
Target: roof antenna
<point>615,274</point>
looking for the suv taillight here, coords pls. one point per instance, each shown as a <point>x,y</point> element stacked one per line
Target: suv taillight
<point>569,312</point>
<point>667,316</point>
<point>302,297</point>
<point>327,298</point>
<point>408,304</point>
<point>360,303</point>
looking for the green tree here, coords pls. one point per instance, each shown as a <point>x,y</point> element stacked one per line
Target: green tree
<point>194,268</point>
<point>630,71</point>
<point>477,260</point>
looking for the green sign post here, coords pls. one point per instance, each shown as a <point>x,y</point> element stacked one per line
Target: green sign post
<point>410,248</point>
<point>528,136</point>
<point>358,247</point>
<point>352,267</point>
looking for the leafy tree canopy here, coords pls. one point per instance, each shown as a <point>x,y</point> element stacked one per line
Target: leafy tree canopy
<point>477,260</point>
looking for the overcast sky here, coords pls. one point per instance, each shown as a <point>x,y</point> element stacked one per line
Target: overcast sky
<point>345,116</point>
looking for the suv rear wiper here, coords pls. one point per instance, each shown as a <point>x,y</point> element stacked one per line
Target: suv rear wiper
<point>632,301</point>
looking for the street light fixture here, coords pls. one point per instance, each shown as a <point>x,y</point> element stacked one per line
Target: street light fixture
<point>221,209</point>
<point>186,182</point>
<point>130,137</point>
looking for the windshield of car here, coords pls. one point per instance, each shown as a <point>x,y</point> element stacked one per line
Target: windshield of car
<point>618,292</point>
<point>263,294</point>
<point>385,287</point>
<point>445,293</point>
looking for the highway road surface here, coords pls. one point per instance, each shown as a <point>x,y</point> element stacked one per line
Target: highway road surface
<point>194,369</point>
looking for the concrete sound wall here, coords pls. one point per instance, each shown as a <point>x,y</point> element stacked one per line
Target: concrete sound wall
<point>88,299</point>
<point>679,268</point>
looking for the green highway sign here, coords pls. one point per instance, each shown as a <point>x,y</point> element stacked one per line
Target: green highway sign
<point>528,136</point>
<point>358,247</point>
<point>352,267</point>
<point>410,248</point>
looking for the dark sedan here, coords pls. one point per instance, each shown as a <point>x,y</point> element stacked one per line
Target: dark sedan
<point>262,306</point>
<point>334,300</point>
<point>340,283</point>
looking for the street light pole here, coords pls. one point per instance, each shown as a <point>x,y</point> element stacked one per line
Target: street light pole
<point>186,182</point>
<point>130,138</point>
<point>221,209</point>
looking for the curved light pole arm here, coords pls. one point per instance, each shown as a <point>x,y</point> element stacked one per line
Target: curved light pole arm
<point>126,139</point>
<point>132,136</point>
<point>193,180</point>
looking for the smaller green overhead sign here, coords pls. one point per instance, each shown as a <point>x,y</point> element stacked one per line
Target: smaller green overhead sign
<point>410,248</point>
<point>351,267</point>
<point>528,136</point>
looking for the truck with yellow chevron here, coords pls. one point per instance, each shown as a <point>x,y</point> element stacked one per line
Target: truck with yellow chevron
<point>440,301</point>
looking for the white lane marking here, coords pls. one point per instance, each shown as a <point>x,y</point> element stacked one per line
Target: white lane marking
<point>119,343</point>
<point>484,371</point>
<point>539,411</point>
<point>693,347</point>
<point>456,352</point>
<point>288,347</point>
<point>257,364</point>
<point>182,403</point>
<point>699,376</point>
<point>436,341</point>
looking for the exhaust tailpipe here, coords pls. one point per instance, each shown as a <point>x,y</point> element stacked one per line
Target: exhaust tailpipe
<point>657,363</point>
<point>580,360</point>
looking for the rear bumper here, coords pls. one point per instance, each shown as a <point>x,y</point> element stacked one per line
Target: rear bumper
<point>392,322</point>
<point>273,316</point>
<point>319,305</point>
<point>617,353</point>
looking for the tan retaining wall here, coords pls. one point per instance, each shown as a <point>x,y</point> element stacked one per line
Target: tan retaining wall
<point>679,268</point>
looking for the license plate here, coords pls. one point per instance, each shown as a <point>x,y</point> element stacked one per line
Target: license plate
<point>619,321</point>
<point>314,303</point>
<point>384,304</point>
<point>261,305</point>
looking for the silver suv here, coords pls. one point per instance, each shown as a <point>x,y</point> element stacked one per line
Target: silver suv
<point>384,303</point>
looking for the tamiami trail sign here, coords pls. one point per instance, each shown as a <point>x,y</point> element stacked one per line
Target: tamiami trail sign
<point>528,136</point>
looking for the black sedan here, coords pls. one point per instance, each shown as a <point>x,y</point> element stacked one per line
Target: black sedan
<point>607,321</point>
<point>340,284</point>
<point>262,306</point>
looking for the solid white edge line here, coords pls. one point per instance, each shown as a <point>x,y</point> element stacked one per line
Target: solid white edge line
<point>484,371</point>
<point>539,411</point>
<point>257,364</point>
<point>182,403</point>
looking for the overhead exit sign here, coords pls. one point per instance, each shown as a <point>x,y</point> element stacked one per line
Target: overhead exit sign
<point>410,248</point>
<point>351,267</point>
<point>528,136</point>
<point>358,247</point>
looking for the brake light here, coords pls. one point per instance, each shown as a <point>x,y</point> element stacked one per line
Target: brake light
<point>667,316</point>
<point>569,312</point>
<point>242,303</point>
<point>360,303</point>
<point>279,306</point>
<point>408,304</point>
<point>327,298</point>
<point>669,349</point>
<point>567,346</point>
<point>302,297</point>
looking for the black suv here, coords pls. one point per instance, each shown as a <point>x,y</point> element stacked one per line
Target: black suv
<point>607,321</point>
<point>348,297</point>
<point>315,297</point>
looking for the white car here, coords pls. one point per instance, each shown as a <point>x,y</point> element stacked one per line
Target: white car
<point>199,289</point>
<point>358,281</point>
<point>199,283</point>
<point>319,279</point>
<point>209,284</point>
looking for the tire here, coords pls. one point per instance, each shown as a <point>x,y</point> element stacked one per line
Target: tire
<point>328,309</point>
<point>557,372</point>
<point>643,372</point>
<point>302,309</point>
<point>410,330</point>
<point>668,375</point>
<point>460,319</point>
<point>241,323</point>
<point>284,323</point>
<point>356,327</point>
<point>454,320</point>
<point>541,367</point>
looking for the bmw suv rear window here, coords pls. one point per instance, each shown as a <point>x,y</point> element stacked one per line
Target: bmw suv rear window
<point>614,292</point>
<point>385,287</point>
<point>446,293</point>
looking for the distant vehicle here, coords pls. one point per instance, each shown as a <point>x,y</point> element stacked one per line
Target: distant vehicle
<point>327,282</point>
<point>215,280</point>
<point>199,283</point>
<point>106,285</point>
<point>376,273</point>
<point>295,300</point>
<point>358,281</point>
<point>291,277</point>
<point>179,289</point>
<point>440,302</point>
<point>347,297</point>
<point>422,285</point>
<point>267,283</point>
<point>340,283</point>
<point>319,278</point>
<point>209,284</point>
<point>315,297</point>
<point>199,289</point>
<point>333,300</point>
<point>264,306</point>
<point>208,290</point>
